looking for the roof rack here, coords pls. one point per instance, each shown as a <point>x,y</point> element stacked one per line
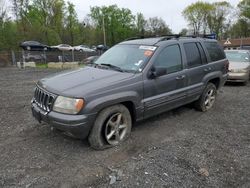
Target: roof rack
<point>140,37</point>
<point>207,36</point>
<point>168,37</point>
<point>173,36</point>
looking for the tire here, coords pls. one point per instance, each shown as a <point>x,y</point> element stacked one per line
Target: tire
<point>207,99</point>
<point>112,126</point>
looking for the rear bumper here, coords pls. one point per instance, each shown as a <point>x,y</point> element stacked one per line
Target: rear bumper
<point>237,77</point>
<point>77,126</point>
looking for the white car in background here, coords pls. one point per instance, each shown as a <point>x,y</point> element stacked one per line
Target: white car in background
<point>63,47</point>
<point>83,48</point>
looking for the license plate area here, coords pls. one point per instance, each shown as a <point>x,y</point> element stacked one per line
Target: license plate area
<point>37,115</point>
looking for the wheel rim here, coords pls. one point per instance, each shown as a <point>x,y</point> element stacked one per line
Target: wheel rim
<point>210,98</point>
<point>116,129</point>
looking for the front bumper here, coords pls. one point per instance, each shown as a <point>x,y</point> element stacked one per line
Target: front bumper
<point>237,77</point>
<point>77,126</point>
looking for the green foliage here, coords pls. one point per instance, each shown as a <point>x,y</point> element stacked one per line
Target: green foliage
<point>117,23</point>
<point>157,26</point>
<point>217,17</point>
<point>55,21</point>
<point>196,14</point>
<point>240,29</point>
<point>244,7</point>
<point>183,32</point>
<point>72,26</point>
<point>140,23</point>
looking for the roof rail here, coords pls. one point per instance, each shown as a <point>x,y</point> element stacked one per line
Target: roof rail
<point>172,36</point>
<point>140,37</point>
<point>208,36</point>
<point>168,37</point>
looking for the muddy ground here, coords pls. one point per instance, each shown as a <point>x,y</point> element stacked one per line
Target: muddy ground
<point>180,148</point>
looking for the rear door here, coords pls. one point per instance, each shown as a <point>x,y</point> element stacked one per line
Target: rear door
<point>167,91</point>
<point>197,67</point>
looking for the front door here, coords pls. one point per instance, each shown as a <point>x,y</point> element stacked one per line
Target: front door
<point>167,91</point>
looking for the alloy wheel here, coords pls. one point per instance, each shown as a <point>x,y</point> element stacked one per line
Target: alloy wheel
<point>210,98</point>
<point>116,129</point>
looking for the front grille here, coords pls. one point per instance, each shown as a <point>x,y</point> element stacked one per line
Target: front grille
<point>44,99</point>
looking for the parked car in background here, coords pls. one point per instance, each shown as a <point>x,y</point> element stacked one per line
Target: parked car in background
<point>102,47</point>
<point>34,46</point>
<point>245,48</point>
<point>36,57</point>
<point>93,47</point>
<point>132,81</point>
<point>83,48</point>
<point>63,47</point>
<point>239,65</point>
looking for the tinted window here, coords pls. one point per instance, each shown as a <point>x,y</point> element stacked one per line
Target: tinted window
<point>192,54</point>
<point>215,51</point>
<point>170,58</point>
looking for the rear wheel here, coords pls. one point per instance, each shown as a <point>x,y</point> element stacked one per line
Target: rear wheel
<point>112,126</point>
<point>207,99</point>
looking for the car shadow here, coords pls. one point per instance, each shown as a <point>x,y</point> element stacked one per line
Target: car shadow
<point>143,125</point>
<point>165,115</point>
<point>235,84</point>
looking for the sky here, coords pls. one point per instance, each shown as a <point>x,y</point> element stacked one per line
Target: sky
<point>168,10</point>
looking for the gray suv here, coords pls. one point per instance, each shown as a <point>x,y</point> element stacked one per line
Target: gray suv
<point>133,80</point>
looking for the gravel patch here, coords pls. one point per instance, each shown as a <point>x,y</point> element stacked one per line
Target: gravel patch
<point>179,148</point>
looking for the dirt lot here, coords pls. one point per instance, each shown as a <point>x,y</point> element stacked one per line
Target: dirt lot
<point>180,148</point>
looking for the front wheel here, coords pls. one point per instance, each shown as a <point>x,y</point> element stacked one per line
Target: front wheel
<point>112,126</point>
<point>207,99</point>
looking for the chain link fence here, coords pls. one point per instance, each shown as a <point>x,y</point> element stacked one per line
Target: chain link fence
<point>22,57</point>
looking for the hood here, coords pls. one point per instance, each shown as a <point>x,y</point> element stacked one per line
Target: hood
<point>238,65</point>
<point>79,82</point>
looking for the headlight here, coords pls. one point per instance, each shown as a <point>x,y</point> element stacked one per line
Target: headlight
<point>68,105</point>
<point>239,70</point>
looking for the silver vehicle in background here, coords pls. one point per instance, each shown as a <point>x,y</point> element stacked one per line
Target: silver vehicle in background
<point>63,47</point>
<point>83,48</point>
<point>239,65</point>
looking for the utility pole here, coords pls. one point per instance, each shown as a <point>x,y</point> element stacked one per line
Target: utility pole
<point>103,28</point>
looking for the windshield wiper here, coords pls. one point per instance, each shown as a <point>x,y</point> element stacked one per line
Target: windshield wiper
<point>92,64</point>
<point>112,67</point>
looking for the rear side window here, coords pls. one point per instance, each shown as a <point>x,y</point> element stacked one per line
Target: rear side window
<point>215,51</point>
<point>202,53</point>
<point>192,54</point>
<point>170,58</point>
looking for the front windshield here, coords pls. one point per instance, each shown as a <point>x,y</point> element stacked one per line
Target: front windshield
<point>127,57</point>
<point>237,56</point>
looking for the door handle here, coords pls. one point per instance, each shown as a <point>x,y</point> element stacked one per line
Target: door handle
<point>208,69</point>
<point>180,77</point>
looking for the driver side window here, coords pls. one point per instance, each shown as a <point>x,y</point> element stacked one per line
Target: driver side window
<point>170,58</point>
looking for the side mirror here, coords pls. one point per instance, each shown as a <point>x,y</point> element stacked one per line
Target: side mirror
<point>157,72</point>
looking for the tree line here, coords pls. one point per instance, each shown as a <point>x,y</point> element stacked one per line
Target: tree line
<point>220,18</point>
<point>55,21</point>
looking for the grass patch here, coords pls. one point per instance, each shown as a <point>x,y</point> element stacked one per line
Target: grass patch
<point>42,65</point>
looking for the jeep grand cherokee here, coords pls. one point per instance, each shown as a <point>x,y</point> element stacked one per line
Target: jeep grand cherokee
<point>133,80</point>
